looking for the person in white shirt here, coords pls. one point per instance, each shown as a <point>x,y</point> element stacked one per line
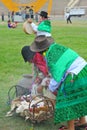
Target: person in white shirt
<point>68,17</point>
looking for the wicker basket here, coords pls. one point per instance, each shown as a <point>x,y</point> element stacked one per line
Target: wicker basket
<point>41,109</point>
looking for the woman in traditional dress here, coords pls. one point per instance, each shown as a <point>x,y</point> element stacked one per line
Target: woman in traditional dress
<point>69,80</point>
<point>43,27</point>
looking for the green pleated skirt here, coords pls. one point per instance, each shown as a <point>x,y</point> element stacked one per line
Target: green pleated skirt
<point>71,100</point>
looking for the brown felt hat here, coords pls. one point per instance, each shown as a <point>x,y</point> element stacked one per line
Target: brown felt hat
<point>41,43</point>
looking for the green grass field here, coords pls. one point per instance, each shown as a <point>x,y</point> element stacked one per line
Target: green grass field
<point>12,65</point>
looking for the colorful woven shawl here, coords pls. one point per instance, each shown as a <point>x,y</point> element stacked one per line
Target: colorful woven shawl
<point>59,59</point>
<point>45,26</point>
<point>40,62</point>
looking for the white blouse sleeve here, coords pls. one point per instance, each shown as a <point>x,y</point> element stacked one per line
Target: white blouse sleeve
<point>34,26</point>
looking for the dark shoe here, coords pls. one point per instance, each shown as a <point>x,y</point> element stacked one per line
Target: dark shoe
<point>78,128</point>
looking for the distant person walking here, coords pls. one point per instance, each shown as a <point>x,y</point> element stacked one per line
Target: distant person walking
<point>68,17</point>
<point>9,15</point>
<point>31,12</point>
<point>12,16</point>
<point>2,15</point>
<point>36,16</point>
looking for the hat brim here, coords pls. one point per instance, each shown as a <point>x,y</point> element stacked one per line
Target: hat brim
<point>34,48</point>
<point>42,15</point>
<point>46,17</point>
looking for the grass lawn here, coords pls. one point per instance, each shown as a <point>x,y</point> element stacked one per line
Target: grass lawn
<point>12,65</point>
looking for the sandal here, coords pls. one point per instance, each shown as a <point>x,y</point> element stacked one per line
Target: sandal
<point>81,127</point>
<point>63,128</point>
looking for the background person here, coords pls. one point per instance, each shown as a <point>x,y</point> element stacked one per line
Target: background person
<point>12,16</point>
<point>12,25</point>
<point>9,15</point>
<point>36,17</point>
<point>31,12</point>
<point>2,16</point>
<point>27,12</point>
<point>43,27</point>
<point>68,17</point>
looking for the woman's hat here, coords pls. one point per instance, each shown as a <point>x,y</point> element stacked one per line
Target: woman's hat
<point>40,43</point>
<point>44,14</point>
<point>27,53</point>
